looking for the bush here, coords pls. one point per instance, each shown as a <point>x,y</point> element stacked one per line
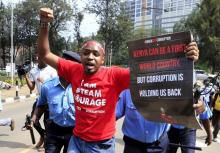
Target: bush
<point>8,80</point>
<point>3,77</point>
<point>3,73</point>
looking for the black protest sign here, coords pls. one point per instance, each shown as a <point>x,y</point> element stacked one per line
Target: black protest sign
<point>162,79</point>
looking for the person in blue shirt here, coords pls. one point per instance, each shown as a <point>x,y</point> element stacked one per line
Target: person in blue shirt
<point>208,91</point>
<point>141,135</point>
<point>56,94</point>
<point>187,136</point>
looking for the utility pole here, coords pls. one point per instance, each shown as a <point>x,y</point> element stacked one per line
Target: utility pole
<point>12,47</point>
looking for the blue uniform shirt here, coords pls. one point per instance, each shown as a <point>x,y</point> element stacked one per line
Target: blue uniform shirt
<point>135,126</point>
<point>205,115</point>
<point>60,102</point>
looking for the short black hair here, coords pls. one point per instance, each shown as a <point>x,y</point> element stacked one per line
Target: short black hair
<point>73,56</point>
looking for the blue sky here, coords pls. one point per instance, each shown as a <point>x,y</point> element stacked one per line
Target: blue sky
<point>88,26</point>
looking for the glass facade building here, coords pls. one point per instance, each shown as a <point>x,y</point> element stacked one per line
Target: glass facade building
<point>159,14</point>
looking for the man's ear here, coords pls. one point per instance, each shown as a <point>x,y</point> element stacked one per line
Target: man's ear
<point>103,59</point>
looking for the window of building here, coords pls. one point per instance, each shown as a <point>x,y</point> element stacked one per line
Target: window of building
<point>138,6</point>
<point>167,5</point>
<point>138,2</point>
<point>187,4</point>
<point>180,5</point>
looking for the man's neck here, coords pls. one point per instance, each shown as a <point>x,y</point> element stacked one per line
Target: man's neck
<point>63,83</point>
<point>41,66</point>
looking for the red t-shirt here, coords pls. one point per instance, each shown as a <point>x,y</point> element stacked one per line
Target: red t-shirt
<point>95,98</point>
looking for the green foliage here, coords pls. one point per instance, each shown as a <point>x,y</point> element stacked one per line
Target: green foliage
<point>115,27</point>
<point>2,74</point>
<point>139,33</point>
<point>7,79</point>
<point>180,26</point>
<point>26,23</point>
<point>204,23</point>
<point>63,13</point>
<point>4,34</point>
<point>208,20</point>
<point>78,18</point>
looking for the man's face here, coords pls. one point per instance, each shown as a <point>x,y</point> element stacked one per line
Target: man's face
<point>92,59</point>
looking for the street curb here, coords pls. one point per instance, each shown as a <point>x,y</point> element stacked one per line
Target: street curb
<point>17,99</point>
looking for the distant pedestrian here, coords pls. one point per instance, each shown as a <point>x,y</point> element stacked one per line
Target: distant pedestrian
<point>141,135</point>
<point>216,115</point>
<point>179,134</point>
<point>208,91</point>
<point>6,121</point>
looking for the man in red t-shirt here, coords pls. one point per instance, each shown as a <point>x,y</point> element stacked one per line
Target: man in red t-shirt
<point>95,88</point>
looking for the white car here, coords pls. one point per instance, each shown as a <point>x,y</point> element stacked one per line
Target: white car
<point>201,75</point>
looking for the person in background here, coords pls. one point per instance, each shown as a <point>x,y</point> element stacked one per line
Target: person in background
<point>141,135</point>
<point>6,121</point>
<point>96,89</point>
<point>216,115</point>
<point>208,91</point>
<point>36,77</point>
<point>57,94</point>
<point>179,134</point>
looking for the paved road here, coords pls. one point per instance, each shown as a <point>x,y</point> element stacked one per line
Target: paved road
<point>16,141</point>
<point>19,141</point>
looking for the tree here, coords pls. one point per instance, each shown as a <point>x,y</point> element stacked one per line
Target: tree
<point>180,26</point>
<point>63,13</point>
<point>107,11</point>
<point>115,27</point>
<point>204,23</point>
<point>122,33</point>
<point>4,35</point>
<point>26,23</point>
<point>78,18</point>
<point>26,28</point>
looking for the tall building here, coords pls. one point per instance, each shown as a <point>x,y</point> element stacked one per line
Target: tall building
<point>130,9</point>
<point>159,14</point>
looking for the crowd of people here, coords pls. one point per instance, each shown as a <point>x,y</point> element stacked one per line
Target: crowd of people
<point>81,104</point>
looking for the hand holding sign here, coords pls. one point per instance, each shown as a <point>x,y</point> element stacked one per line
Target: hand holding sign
<point>199,107</point>
<point>192,51</point>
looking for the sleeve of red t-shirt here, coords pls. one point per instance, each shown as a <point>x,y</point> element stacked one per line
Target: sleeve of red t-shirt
<point>121,77</point>
<point>68,69</point>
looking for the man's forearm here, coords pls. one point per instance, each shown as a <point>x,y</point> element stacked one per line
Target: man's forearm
<point>29,83</point>
<point>38,113</point>
<point>43,42</point>
<point>43,47</point>
<point>207,126</point>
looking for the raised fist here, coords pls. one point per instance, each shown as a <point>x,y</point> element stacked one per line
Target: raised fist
<point>46,15</point>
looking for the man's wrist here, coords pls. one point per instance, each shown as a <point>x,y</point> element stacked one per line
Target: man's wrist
<point>43,24</point>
